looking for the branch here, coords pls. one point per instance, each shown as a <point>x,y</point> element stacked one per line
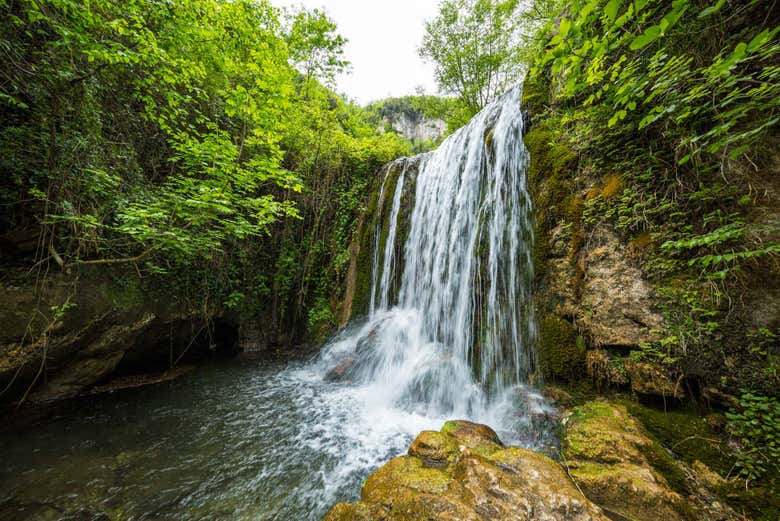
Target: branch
<point>113,261</point>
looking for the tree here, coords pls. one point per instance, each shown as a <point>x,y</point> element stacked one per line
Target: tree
<point>316,50</point>
<point>472,46</point>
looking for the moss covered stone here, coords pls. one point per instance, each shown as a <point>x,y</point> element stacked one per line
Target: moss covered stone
<point>403,472</point>
<point>561,354</point>
<point>473,436</point>
<point>435,449</point>
<point>349,512</point>
<point>620,466</point>
<point>483,481</point>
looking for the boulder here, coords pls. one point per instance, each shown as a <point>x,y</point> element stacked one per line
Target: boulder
<point>435,449</point>
<point>473,436</point>
<point>618,465</point>
<point>465,473</point>
<point>340,370</point>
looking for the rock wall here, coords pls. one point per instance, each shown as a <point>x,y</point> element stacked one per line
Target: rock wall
<point>416,127</point>
<point>62,334</point>
<point>599,306</point>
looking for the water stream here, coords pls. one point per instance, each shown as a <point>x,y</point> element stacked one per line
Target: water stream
<point>449,335</point>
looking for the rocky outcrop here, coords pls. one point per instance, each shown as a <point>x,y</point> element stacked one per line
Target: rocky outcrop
<point>63,335</point>
<point>616,307</point>
<point>609,456</point>
<point>416,127</point>
<point>464,472</point>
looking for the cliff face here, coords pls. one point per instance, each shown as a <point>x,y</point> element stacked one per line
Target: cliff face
<point>416,127</point>
<point>63,334</point>
<point>610,310</point>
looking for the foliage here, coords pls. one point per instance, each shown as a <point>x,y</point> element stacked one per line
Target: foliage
<point>316,49</point>
<point>471,44</point>
<point>675,137</point>
<point>756,424</point>
<point>191,141</point>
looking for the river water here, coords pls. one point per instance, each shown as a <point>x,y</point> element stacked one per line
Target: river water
<point>241,440</point>
<point>449,335</point>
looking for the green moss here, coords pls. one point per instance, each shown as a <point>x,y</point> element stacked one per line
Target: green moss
<point>403,472</point>
<point>434,448</point>
<point>536,93</point>
<point>551,169</point>
<point>691,437</point>
<point>476,437</point>
<point>561,352</point>
<point>365,254</point>
<point>686,433</point>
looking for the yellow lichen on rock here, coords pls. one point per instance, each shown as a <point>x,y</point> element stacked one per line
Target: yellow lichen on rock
<point>465,473</point>
<point>612,459</point>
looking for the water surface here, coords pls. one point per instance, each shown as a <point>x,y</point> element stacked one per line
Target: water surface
<point>242,440</point>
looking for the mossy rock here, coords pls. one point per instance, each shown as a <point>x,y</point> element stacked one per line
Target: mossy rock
<point>482,480</point>
<point>435,449</point>
<point>631,491</point>
<point>605,433</point>
<point>349,512</point>
<point>620,466</point>
<point>561,354</point>
<point>692,435</point>
<point>473,436</point>
<point>404,472</point>
<point>536,94</point>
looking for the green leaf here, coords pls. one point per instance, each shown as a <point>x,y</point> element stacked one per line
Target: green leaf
<point>651,34</point>
<point>611,9</point>
<point>564,27</point>
<point>712,9</point>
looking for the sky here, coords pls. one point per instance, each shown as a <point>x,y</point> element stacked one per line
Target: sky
<point>384,36</point>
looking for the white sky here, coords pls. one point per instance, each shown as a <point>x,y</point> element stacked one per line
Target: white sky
<point>383,39</point>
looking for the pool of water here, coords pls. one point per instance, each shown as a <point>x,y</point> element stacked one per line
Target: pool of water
<point>234,440</point>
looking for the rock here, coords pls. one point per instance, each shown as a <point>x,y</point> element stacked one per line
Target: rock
<point>715,395</point>
<point>617,302</point>
<point>474,479</point>
<point>474,436</point>
<point>92,363</point>
<point>614,462</point>
<point>350,512</point>
<point>650,379</point>
<point>435,449</point>
<point>340,370</point>
<point>558,396</point>
<point>707,476</point>
<point>605,370</point>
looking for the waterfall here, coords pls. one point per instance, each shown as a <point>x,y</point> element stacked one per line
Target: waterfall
<point>450,329</point>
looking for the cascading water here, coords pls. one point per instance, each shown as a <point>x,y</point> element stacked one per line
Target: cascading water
<point>459,334</point>
<point>450,328</point>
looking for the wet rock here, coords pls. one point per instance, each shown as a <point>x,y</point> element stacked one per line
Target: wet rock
<point>351,512</point>
<point>476,479</point>
<point>558,396</point>
<point>435,449</point>
<point>339,372</point>
<point>614,461</point>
